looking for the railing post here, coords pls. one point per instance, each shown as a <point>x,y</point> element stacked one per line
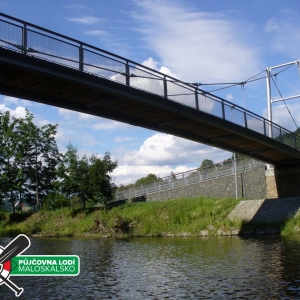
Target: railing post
<point>280,130</point>
<point>165,88</point>
<point>235,178</point>
<point>24,39</point>
<point>223,110</point>
<point>200,177</point>
<point>245,118</point>
<point>127,74</point>
<point>265,130</point>
<point>80,57</point>
<point>196,99</point>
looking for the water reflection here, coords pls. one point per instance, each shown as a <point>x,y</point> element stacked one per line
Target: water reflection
<point>169,268</point>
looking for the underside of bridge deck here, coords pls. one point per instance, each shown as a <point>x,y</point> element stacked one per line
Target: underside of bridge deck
<point>38,80</point>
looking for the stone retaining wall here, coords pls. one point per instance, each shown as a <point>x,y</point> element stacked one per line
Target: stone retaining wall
<point>251,184</point>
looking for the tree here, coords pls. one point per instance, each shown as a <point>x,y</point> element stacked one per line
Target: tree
<point>39,157</point>
<point>100,172</point>
<point>149,178</point>
<point>89,179</point>
<point>123,187</point>
<point>8,168</point>
<point>68,172</point>
<point>206,164</point>
<point>28,158</point>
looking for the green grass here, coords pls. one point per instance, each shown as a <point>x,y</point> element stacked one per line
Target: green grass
<point>181,217</point>
<point>291,226</point>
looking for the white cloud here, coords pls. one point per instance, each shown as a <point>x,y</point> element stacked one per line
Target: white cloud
<point>162,154</point>
<point>91,121</point>
<point>203,47</point>
<point>167,71</point>
<point>96,32</point>
<point>78,7</point>
<point>86,142</point>
<point>86,20</point>
<point>18,102</point>
<point>150,63</point>
<point>18,112</point>
<point>66,112</point>
<point>126,174</point>
<point>282,117</point>
<point>229,97</point>
<point>153,64</point>
<point>164,149</point>
<point>120,139</point>
<point>282,34</point>
<point>271,25</point>
<point>109,125</point>
<point>84,116</point>
<point>13,100</point>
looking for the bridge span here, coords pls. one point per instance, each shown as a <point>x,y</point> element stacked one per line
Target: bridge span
<point>44,66</point>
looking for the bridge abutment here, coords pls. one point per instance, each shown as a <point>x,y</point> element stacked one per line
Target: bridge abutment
<point>287,179</point>
<point>271,186</point>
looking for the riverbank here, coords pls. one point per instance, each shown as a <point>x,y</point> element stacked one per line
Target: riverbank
<point>181,217</point>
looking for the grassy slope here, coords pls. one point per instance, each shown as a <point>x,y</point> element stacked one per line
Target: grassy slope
<point>182,217</point>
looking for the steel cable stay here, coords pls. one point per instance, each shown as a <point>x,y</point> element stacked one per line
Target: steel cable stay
<point>288,83</point>
<point>238,83</point>
<point>276,75</point>
<point>243,95</point>
<point>284,69</point>
<point>284,101</point>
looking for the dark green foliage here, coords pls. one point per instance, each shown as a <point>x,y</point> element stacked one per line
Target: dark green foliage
<point>28,158</point>
<point>100,182</point>
<point>8,151</point>
<point>206,164</point>
<point>87,179</point>
<point>148,179</point>
<point>55,201</point>
<point>143,180</point>
<point>33,170</point>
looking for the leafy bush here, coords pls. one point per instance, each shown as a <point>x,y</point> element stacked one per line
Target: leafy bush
<point>55,201</point>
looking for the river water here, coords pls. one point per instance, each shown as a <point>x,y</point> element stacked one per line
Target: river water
<point>168,268</point>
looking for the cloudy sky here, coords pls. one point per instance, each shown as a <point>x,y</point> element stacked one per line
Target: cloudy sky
<point>200,41</point>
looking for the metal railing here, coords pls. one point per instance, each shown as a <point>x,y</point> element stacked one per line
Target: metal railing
<point>190,177</point>
<point>38,42</point>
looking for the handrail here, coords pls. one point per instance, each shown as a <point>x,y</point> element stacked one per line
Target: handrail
<point>226,110</point>
<point>189,177</point>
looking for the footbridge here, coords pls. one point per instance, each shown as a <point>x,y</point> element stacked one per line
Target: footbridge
<point>44,66</point>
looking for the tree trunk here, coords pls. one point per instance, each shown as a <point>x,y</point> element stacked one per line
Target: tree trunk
<point>12,202</point>
<point>36,183</point>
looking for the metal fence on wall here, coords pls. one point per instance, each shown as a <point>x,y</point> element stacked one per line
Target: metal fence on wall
<point>190,177</point>
<point>28,39</point>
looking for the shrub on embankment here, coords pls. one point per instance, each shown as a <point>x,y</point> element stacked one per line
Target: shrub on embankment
<point>182,217</point>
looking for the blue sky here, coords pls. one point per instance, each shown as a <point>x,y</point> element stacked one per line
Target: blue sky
<point>201,41</point>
